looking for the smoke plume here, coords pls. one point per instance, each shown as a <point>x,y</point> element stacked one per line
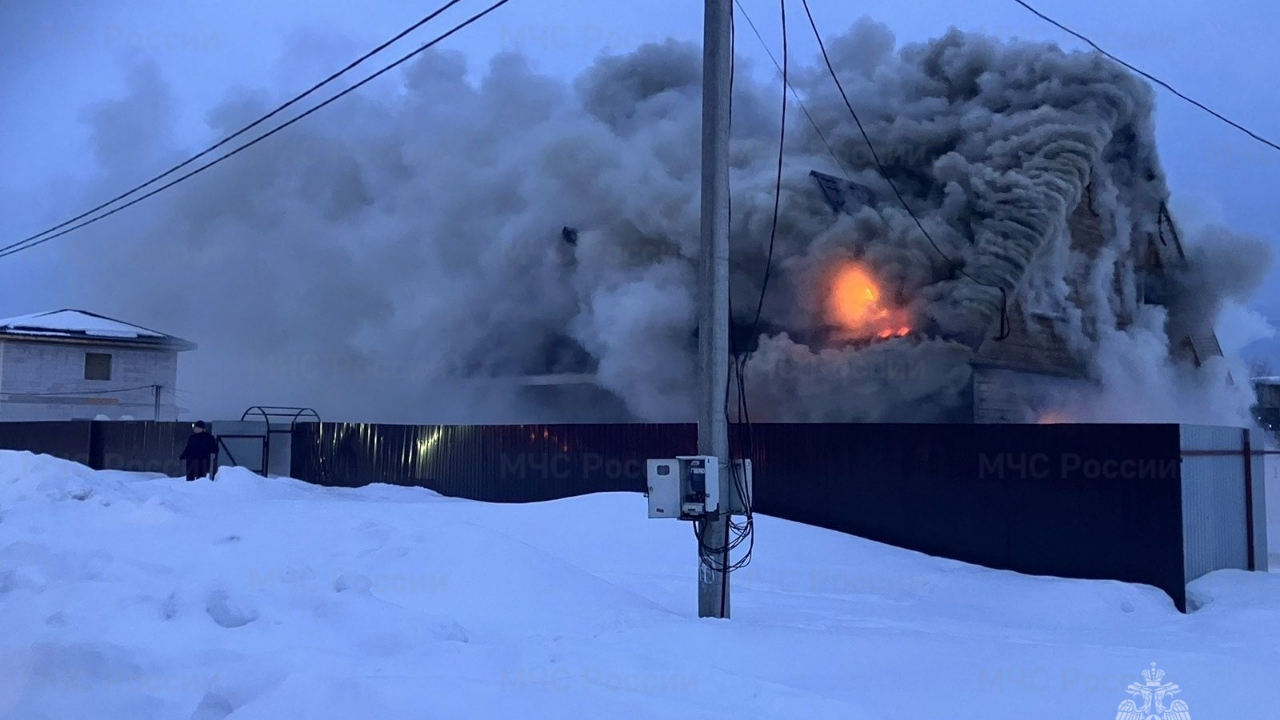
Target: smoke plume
<point>397,255</point>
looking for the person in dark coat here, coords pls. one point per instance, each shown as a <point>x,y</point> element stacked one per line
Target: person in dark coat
<point>201,447</point>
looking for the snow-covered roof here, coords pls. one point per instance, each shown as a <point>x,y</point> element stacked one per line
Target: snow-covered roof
<point>85,326</point>
<point>1267,380</point>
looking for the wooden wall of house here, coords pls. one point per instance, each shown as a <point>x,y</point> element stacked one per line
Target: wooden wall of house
<point>1035,344</point>
<point>1001,395</point>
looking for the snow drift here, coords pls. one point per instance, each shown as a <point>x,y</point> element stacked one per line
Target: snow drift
<point>142,597</point>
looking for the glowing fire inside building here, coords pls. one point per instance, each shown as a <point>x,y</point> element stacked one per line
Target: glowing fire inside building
<point>858,308</point>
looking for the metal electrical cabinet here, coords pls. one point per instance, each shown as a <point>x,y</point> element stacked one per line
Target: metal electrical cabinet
<point>688,487</point>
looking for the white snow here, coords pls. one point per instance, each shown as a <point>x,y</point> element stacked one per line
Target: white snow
<point>73,322</point>
<point>132,597</point>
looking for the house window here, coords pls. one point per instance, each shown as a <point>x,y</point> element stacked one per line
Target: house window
<point>97,366</point>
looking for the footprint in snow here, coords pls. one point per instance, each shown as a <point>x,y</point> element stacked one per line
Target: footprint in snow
<point>228,613</point>
<point>213,706</point>
<point>169,608</point>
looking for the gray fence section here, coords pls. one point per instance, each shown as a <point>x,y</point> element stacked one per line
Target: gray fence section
<point>1223,500</point>
<point>1258,497</point>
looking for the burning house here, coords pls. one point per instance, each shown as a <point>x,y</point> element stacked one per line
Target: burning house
<point>1037,276</point>
<point>1026,362</point>
<point>536,242</point>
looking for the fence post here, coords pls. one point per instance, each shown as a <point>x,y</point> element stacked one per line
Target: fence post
<point>1248,496</point>
<point>97,443</point>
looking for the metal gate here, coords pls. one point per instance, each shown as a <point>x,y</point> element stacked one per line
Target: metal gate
<point>277,425</point>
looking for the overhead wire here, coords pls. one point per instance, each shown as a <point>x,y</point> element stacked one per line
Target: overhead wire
<point>803,108</point>
<point>32,242</point>
<point>1004,329</point>
<point>1149,76</point>
<point>740,360</point>
<point>81,392</point>
<point>293,101</point>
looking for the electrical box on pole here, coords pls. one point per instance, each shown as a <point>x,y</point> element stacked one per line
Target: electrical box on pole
<point>688,488</point>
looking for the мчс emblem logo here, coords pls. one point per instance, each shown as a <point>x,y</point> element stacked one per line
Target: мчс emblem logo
<point>1150,698</point>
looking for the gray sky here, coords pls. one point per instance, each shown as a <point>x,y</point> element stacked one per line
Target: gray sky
<point>59,56</point>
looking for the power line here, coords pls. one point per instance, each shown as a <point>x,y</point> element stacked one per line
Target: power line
<point>884,173</point>
<point>805,110</point>
<point>31,242</point>
<point>747,528</point>
<point>745,531</point>
<point>244,129</point>
<point>180,398</point>
<point>77,394</point>
<point>1150,77</point>
<point>777,187</point>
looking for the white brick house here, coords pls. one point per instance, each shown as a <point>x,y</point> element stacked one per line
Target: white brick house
<point>75,365</point>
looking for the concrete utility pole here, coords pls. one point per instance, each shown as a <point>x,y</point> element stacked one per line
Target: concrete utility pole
<point>713,290</point>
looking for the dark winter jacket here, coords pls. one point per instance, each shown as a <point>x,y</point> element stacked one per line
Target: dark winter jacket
<point>200,446</point>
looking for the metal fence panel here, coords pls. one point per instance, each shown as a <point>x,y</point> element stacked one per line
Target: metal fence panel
<point>1215,520</point>
<point>142,446</point>
<point>1261,472</point>
<point>1083,501</point>
<point>69,440</point>
<point>493,463</point>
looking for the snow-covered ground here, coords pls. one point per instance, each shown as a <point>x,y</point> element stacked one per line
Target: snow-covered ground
<point>130,597</point>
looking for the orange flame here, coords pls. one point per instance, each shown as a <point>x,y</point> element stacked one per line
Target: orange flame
<point>1053,418</point>
<point>857,305</point>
